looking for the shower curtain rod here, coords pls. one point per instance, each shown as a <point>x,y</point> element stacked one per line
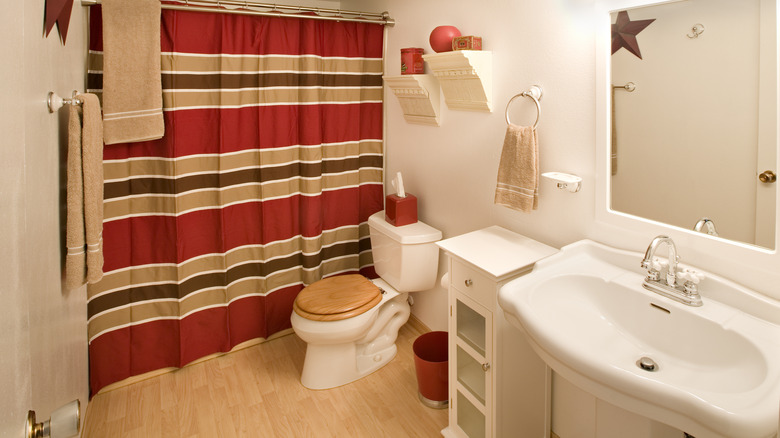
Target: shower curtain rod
<point>273,10</point>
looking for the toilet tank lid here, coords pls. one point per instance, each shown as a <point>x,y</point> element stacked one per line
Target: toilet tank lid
<point>417,232</point>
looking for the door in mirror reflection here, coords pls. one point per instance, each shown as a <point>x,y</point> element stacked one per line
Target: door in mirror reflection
<point>695,118</point>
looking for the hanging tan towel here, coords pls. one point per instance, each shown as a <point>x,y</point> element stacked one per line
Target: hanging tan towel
<point>75,259</point>
<point>132,86</point>
<point>518,170</point>
<point>92,158</point>
<point>84,223</point>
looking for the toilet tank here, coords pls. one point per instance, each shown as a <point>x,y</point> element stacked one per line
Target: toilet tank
<point>405,257</point>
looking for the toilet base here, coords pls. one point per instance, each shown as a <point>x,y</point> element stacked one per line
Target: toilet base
<point>329,366</point>
<point>341,352</point>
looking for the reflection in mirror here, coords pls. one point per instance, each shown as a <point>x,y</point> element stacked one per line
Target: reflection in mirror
<point>694,116</point>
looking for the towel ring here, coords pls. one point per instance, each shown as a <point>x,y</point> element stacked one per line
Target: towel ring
<point>535,93</point>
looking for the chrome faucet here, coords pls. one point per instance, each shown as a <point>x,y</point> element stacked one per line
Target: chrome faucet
<point>670,286</point>
<point>647,262</point>
<point>705,223</point>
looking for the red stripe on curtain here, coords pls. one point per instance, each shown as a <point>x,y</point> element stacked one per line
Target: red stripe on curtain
<point>185,221</point>
<point>140,349</point>
<point>153,238</point>
<point>196,32</point>
<point>237,129</point>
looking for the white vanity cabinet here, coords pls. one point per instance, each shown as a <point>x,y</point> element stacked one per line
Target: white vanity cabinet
<point>498,386</point>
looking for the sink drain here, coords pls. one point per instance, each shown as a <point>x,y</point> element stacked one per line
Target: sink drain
<point>647,364</point>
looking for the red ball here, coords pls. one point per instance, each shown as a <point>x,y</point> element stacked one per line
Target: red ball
<point>441,38</point>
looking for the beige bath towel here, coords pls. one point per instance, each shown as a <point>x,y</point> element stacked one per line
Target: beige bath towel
<point>132,86</point>
<point>518,170</point>
<point>75,259</point>
<point>92,164</point>
<point>84,223</point>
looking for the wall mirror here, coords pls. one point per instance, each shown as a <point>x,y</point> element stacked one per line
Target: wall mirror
<point>693,116</point>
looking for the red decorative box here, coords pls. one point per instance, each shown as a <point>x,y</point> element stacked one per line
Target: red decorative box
<point>467,43</point>
<point>401,211</point>
<point>412,61</point>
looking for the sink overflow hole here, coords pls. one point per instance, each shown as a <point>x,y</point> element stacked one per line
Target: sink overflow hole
<point>647,364</point>
<point>660,308</point>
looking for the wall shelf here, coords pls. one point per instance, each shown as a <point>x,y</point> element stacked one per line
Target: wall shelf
<point>466,78</point>
<point>418,96</point>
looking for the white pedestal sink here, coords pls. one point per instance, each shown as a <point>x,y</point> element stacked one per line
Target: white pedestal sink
<point>714,371</point>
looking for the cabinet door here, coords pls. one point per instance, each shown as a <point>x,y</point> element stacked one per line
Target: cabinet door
<point>473,398</point>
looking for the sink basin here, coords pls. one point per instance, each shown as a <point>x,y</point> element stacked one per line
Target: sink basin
<point>715,369</point>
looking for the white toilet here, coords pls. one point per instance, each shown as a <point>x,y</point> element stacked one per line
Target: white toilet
<point>350,323</point>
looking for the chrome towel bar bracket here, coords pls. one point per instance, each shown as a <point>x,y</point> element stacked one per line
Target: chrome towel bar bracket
<point>535,93</point>
<point>56,102</point>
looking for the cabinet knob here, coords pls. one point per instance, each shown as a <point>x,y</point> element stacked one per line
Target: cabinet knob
<point>468,282</point>
<point>486,366</point>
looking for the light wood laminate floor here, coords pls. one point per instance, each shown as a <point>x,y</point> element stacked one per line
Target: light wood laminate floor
<point>256,392</point>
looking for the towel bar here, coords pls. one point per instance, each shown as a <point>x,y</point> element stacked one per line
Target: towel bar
<point>535,93</point>
<point>56,102</point>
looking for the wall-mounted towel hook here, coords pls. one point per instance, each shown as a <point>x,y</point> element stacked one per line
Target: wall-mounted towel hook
<point>535,93</point>
<point>697,30</point>
<point>630,87</point>
<point>55,102</point>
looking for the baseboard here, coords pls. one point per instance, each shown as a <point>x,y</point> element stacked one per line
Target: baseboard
<point>417,324</point>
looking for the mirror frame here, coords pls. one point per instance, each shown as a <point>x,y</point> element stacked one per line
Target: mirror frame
<point>753,266</point>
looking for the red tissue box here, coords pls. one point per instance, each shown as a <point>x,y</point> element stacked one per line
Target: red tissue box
<point>401,211</point>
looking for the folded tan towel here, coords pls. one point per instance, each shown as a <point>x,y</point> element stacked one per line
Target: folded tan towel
<point>92,159</point>
<point>518,170</point>
<point>75,259</point>
<point>132,86</point>
<point>84,198</point>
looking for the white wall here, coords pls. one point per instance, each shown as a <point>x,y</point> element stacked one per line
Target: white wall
<point>43,328</point>
<point>452,168</point>
<point>14,325</point>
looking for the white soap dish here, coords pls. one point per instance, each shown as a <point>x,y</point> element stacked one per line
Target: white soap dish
<point>565,181</point>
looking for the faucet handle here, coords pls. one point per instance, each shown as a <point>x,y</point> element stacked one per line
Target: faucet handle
<point>694,276</point>
<point>692,280</point>
<point>659,265</point>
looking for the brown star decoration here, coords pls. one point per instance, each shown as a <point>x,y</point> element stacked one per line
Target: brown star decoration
<point>624,33</point>
<point>58,11</point>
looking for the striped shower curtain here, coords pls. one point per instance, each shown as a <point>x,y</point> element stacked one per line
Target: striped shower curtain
<point>270,166</point>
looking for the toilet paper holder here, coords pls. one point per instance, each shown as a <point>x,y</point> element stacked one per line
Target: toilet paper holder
<point>565,181</point>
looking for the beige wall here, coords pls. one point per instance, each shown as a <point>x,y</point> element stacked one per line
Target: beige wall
<point>43,328</point>
<point>452,168</point>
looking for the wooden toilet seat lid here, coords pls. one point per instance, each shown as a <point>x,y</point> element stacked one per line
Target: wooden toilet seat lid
<point>337,298</point>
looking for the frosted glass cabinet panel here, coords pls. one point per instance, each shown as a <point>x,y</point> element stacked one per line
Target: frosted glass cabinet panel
<point>470,420</point>
<point>471,375</point>
<point>473,404</point>
<point>471,327</point>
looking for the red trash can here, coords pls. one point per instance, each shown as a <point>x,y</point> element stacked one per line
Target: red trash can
<point>430,362</point>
